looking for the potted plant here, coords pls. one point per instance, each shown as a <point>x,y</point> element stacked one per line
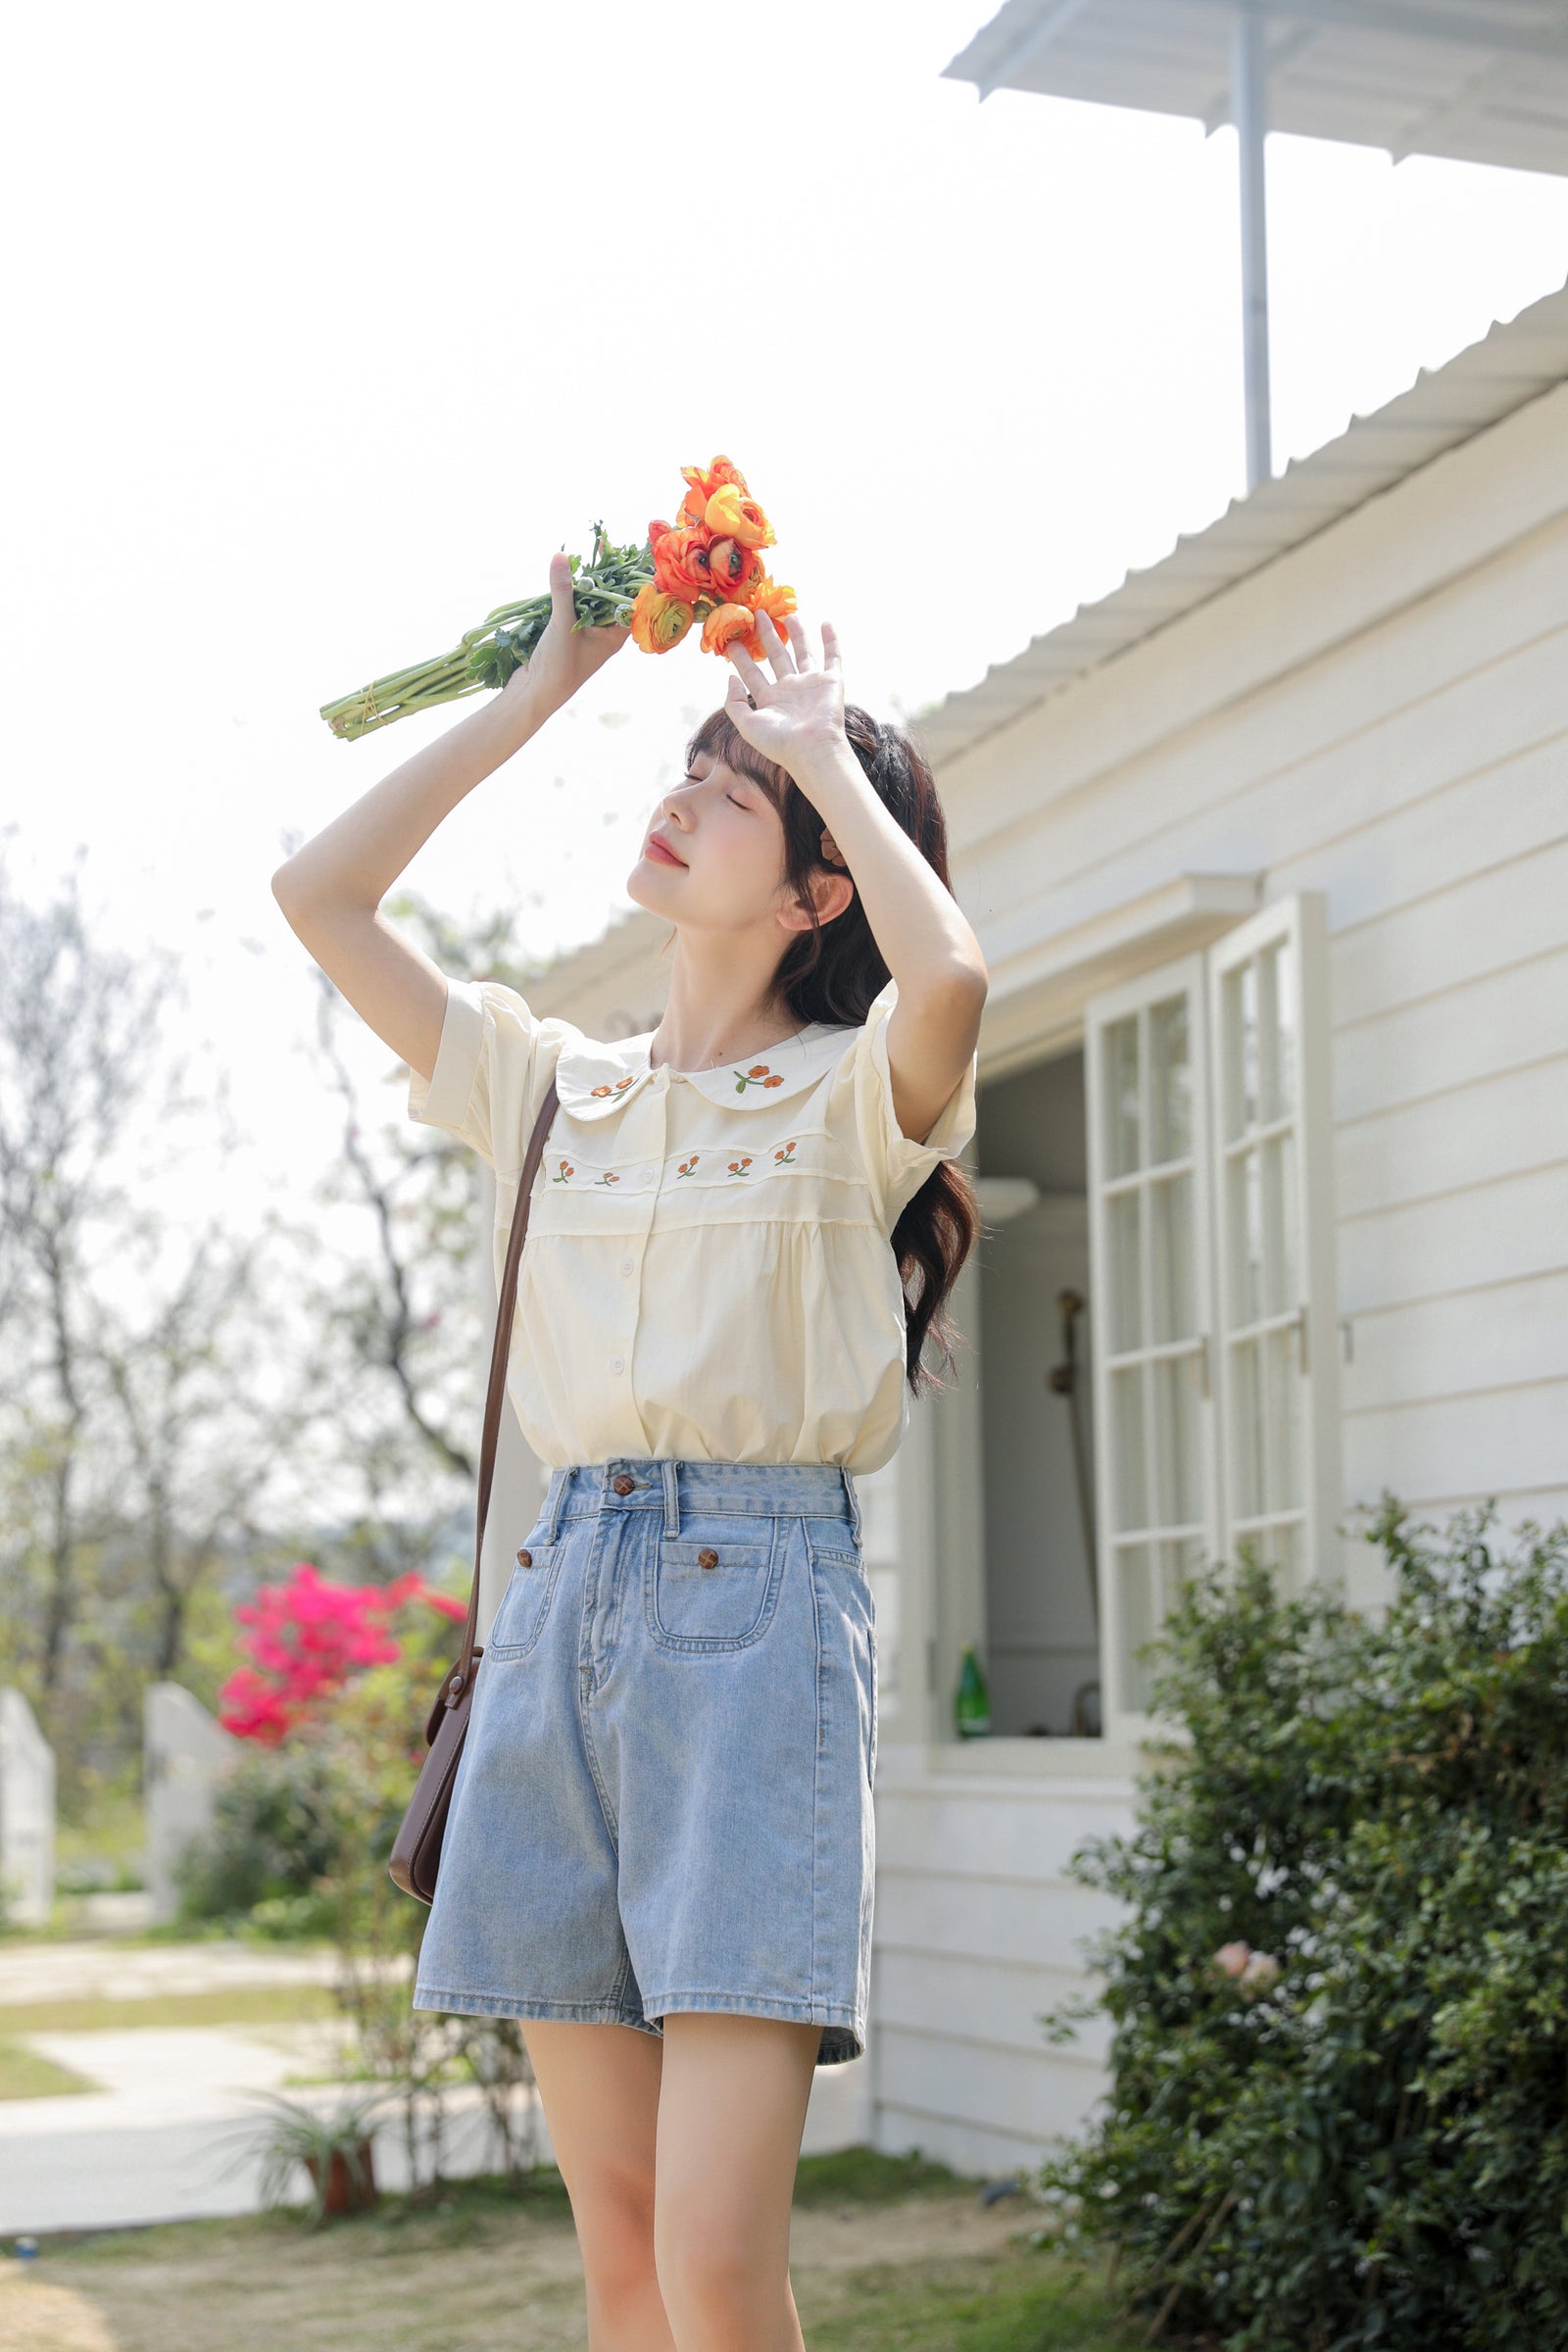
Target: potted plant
<point>334,2145</point>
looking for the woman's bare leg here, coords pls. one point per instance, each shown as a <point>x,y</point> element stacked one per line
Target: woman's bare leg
<point>600,2085</point>
<point>731,2112</point>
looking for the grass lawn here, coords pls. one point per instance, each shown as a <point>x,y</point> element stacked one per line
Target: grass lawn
<point>888,2254</point>
<point>27,2075</point>
<point>226,2005</point>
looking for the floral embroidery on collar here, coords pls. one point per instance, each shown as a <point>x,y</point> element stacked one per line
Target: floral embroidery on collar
<point>595,1078</point>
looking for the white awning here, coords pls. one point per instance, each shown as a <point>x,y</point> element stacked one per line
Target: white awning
<point>1484,81</point>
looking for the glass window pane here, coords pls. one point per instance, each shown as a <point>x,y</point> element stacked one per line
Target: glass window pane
<point>1244,1189</point>
<point>1126,1272</point>
<point>1130,1498</point>
<point>1282,1251</point>
<point>1177,1563</point>
<point>1137,1611</point>
<point>1170,1081</point>
<point>1280,1547</point>
<point>1171,1243</point>
<point>1282,1377</point>
<point>1177,1463</point>
<point>1239,1014</point>
<point>1246,1436</point>
<point>1279,1022</point>
<point>1120,1066</point>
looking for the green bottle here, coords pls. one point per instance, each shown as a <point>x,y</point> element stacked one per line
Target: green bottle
<point>971,1706</point>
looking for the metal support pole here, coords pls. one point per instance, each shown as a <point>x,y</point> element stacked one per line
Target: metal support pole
<point>1249,112</point>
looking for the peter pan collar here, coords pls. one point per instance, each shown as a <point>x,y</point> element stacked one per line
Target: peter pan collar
<point>595,1077</point>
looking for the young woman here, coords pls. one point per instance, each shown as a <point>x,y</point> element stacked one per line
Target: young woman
<point>660,1844</point>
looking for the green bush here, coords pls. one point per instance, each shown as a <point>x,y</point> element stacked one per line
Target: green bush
<point>1338,2107</point>
<point>277,1834</point>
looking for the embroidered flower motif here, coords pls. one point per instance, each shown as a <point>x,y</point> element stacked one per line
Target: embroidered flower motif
<point>739,1167</point>
<point>758,1075</point>
<point>608,1178</point>
<point>619,1087</point>
<point>603,1090</point>
<point>686,1166</point>
<point>785,1154</point>
<point>568,1171</point>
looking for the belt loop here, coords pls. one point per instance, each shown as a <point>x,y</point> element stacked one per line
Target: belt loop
<point>553,1495</point>
<point>672,1477</point>
<point>854,1501</point>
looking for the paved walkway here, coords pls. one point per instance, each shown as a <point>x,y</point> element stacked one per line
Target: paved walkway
<point>165,2136</point>
<point>102,1971</point>
<point>162,2138</point>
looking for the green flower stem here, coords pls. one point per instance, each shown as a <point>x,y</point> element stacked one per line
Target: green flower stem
<point>486,657</point>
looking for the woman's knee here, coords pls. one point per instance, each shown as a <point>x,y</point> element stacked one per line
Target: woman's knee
<point>613,2208</point>
<point>711,2263</point>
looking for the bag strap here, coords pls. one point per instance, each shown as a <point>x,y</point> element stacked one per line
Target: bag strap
<point>456,1681</point>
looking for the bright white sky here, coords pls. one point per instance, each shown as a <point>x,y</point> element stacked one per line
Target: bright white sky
<point>329,321</point>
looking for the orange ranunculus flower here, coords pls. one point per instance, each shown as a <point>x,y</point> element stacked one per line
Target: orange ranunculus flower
<point>709,478</point>
<point>732,565</point>
<point>655,532</point>
<point>772,598</point>
<point>681,565</point>
<point>731,514</point>
<point>731,624</point>
<point>659,621</point>
<point>693,507</point>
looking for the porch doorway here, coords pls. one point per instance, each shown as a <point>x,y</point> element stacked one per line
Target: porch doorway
<point>1042,1647</point>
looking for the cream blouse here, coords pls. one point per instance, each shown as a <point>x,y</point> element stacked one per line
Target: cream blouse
<point>707,1274</point>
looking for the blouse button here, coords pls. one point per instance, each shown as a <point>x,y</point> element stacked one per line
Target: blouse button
<point>648,1175</point>
<point>708,1559</point>
<point>626,1266</point>
<point>618,1363</point>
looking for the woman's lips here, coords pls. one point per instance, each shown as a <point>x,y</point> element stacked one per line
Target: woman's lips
<point>656,850</point>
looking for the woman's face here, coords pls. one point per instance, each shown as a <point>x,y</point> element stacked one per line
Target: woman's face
<point>729,839</point>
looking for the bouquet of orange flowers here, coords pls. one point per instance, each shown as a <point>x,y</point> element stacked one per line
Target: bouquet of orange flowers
<point>706,567</point>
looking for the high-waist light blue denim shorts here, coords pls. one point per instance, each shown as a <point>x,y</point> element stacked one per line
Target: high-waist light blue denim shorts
<point>664,1801</point>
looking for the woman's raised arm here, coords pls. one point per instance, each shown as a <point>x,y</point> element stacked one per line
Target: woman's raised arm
<point>331,889</point>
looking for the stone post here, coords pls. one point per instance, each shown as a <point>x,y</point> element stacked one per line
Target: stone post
<point>27,1814</point>
<point>185,1753</point>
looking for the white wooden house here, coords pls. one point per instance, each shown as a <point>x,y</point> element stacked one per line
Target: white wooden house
<point>1268,854</point>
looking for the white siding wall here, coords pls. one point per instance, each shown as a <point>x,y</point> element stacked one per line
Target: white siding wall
<point>977,1929</point>
<point>1381,715</point>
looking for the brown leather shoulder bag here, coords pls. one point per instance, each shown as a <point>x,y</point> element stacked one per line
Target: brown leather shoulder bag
<point>416,1848</point>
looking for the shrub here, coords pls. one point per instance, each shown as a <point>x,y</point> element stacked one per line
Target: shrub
<point>277,1834</point>
<point>1339,1989</point>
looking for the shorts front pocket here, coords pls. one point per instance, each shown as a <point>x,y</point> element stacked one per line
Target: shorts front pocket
<point>714,1587</point>
<point>525,1602</point>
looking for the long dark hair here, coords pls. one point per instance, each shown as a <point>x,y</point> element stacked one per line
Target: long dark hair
<point>834,972</point>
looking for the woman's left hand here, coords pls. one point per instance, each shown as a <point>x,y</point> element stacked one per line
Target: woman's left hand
<point>797,716</point>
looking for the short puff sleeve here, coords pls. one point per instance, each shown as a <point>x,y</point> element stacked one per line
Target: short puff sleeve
<point>897,1167</point>
<point>492,1068</point>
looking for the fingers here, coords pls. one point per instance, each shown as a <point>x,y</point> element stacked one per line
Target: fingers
<point>799,641</point>
<point>747,667</point>
<point>779,651</point>
<point>830,647</point>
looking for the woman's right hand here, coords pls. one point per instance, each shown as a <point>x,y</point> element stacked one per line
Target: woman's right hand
<point>564,657</point>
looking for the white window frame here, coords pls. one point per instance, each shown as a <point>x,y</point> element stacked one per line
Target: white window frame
<point>1295,927</point>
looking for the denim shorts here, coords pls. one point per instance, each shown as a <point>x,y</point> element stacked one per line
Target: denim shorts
<point>664,1801</point>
